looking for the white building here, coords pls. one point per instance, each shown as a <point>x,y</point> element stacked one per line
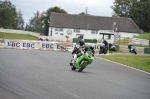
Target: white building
<point>92,27</point>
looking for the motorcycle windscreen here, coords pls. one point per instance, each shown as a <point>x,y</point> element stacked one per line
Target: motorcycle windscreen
<point>90,53</point>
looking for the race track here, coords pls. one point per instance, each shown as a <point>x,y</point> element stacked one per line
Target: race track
<point>35,74</point>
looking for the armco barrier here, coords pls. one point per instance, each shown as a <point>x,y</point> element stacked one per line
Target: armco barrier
<point>146,50</point>
<point>117,47</point>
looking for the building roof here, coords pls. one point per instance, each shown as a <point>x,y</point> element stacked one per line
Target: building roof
<point>123,24</point>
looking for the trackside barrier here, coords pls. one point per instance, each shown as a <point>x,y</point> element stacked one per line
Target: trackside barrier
<point>40,45</point>
<point>55,46</point>
<point>1,43</point>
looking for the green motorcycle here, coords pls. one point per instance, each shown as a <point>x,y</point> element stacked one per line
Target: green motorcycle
<point>82,61</point>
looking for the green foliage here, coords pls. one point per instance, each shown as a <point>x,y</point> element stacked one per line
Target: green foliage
<point>82,13</point>
<point>138,11</point>
<point>17,36</point>
<point>121,8</point>
<point>35,23</point>
<point>9,17</point>
<point>40,22</point>
<point>7,14</point>
<point>19,20</point>
<point>143,36</point>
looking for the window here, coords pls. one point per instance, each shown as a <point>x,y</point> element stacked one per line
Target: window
<point>94,31</point>
<point>107,37</point>
<point>77,30</point>
<point>58,29</point>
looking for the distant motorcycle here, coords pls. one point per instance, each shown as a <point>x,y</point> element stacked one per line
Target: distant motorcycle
<point>133,50</point>
<point>112,47</point>
<point>103,49</point>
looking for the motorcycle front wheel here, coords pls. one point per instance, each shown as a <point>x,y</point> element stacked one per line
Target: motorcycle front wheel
<point>82,66</point>
<point>71,62</point>
<point>73,68</point>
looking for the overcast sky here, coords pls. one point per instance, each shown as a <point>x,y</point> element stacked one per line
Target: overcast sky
<point>95,7</point>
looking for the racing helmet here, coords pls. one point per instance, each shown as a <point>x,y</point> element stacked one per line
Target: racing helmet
<point>91,47</point>
<point>82,40</point>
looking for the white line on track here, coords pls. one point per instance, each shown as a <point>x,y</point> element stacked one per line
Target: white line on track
<point>124,65</point>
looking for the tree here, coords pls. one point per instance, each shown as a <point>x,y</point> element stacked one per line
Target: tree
<point>7,14</point>
<point>138,11</point>
<point>85,13</point>
<point>35,23</point>
<point>45,17</point>
<point>121,8</point>
<point>82,13</point>
<point>19,20</point>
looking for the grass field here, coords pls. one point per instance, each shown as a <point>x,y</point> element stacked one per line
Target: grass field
<point>17,36</point>
<point>144,36</point>
<point>139,62</point>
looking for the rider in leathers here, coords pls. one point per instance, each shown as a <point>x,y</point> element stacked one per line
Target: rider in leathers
<point>106,43</point>
<point>79,52</point>
<point>87,48</point>
<point>81,44</point>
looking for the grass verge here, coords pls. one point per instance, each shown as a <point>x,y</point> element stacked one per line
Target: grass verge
<point>143,36</point>
<point>139,62</point>
<point>17,36</point>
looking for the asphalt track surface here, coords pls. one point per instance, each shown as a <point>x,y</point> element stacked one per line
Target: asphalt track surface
<point>35,74</point>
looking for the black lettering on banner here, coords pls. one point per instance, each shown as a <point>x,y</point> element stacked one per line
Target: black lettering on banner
<point>24,44</point>
<point>61,47</point>
<point>18,44</point>
<point>28,45</point>
<point>44,45</point>
<point>13,44</point>
<point>32,46</point>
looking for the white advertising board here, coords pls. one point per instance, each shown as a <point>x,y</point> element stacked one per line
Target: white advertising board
<point>139,41</point>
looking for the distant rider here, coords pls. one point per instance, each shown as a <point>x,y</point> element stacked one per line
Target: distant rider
<point>129,47</point>
<point>106,43</point>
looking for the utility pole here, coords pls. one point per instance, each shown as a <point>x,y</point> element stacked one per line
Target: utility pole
<point>86,11</point>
